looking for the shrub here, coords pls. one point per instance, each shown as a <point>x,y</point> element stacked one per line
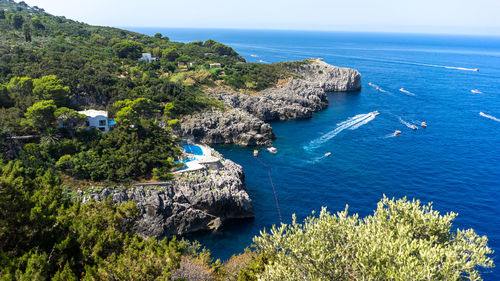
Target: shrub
<point>402,240</point>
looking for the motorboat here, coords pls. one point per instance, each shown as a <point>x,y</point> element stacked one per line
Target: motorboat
<point>255,153</point>
<point>397,132</point>
<point>413,127</point>
<point>378,88</point>
<point>371,84</point>
<point>475,91</point>
<point>328,154</point>
<point>272,150</point>
<point>423,124</point>
<point>476,69</point>
<point>375,112</point>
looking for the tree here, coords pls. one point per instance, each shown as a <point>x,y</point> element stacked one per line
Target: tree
<point>183,59</point>
<point>142,107</point>
<point>27,32</point>
<point>126,117</point>
<point>2,14</point>
<point>41,115</point>
<point>37,23</point>
<point>128,49</point>
<point>224,50</point>
<point>402,240</point>
<point>5,100</point>
<point>209,43</point>
<point>158,35</point>
<point>50,88</point>
<point>170,54</point>
<point>17,21</point>
<point>70,119</point>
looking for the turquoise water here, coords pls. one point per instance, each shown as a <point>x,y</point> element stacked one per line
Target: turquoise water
<point>454,162</point>
<point>193,149</point>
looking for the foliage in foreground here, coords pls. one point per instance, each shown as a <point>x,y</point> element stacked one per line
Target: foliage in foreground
<point>402,240</point>
<point>44,235</point>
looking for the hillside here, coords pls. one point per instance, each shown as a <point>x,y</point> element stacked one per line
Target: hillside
<point>52,66</point>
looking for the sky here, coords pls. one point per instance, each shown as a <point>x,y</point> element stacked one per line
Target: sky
<point>479,17</point>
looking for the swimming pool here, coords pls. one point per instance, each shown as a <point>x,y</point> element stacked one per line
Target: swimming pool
<point>193,149</point>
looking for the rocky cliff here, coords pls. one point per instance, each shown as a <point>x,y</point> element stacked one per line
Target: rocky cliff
<point>194,201</point>
<point>245,121</point>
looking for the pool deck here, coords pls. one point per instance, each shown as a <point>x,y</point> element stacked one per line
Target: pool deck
<point>197,163</point>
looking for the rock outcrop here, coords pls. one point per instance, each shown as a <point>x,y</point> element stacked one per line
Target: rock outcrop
<point>194,201</point>
<point>245,123</point>
<point>331,78</point>
<point>234,126</point>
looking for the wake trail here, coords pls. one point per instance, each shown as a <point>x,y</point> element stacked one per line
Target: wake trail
<point>353,123</point>
<point>370,118</point>
<point>489,116</point>
<point>407,92</point>
<point>317,159</point>
<point>409,125</point>
<point>378,88</point>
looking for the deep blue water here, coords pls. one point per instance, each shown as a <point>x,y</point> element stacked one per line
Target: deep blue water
<point>455,162</point>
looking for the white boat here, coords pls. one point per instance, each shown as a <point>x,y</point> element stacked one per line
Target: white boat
<point>475,91</point>
<point>413,127</point>
<point>397,132</point>
<point>423,124</point>
<point>328,154</point>
<point>272,150</point>
<point>375,112</point>
<point>255,153</point>
<point>476,69</point>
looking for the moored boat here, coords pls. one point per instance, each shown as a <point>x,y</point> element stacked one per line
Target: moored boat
<point>272,150</point>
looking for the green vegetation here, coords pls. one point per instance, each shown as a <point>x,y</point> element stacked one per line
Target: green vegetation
<point>52,67</point>
<point>402,240</point>
<point>44,235</point>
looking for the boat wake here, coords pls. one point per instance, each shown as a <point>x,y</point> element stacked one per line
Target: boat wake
<point>489,116</point>
<point>378,88</point>
<point>317,159</point>
<point>254,56</point>
<point>441,66</point>
<point>352,123</point>
<point>407,92</point>
<point>457,68</point>
<point>407,124</point>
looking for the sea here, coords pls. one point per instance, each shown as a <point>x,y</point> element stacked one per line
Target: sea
<point>450,82</point>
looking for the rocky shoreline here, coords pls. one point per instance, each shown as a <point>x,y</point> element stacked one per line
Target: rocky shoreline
<point>195,201</point>
<point>245,121</point>
<point>204,199</point>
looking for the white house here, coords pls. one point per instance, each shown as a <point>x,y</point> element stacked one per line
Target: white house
<point>147,57</point>
<point>96,119</point>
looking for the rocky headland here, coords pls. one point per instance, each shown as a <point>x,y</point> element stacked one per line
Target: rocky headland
<point>204,199</point>
<point>194,201</point>
<point>244,121</point>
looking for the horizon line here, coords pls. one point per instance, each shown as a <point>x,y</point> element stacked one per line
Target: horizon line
<point>323,30</point>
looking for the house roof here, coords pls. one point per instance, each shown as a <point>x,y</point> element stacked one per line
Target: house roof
<point>94,113</point>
